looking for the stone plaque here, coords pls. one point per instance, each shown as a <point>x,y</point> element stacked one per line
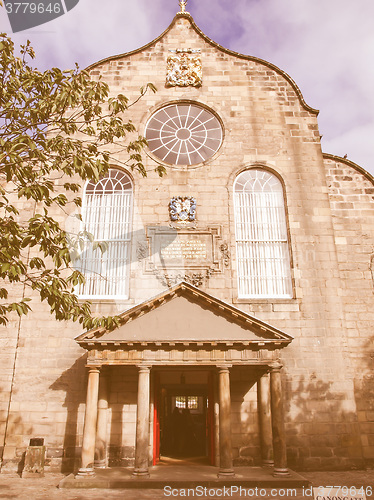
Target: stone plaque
<point>184,249</point>
<point>187,249</point>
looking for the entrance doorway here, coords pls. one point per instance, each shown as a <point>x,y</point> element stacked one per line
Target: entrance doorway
<point>183,419</point>
<point>183,425</point>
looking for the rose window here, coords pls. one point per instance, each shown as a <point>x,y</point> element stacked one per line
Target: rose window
<point>184,134</point>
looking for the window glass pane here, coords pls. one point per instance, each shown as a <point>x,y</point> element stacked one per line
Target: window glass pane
<point>263,262</point>
<point>193,402</point>
<point>106,214</point>
<point>180,401</point>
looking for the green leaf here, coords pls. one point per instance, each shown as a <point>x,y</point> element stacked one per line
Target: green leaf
<point>58,129</point>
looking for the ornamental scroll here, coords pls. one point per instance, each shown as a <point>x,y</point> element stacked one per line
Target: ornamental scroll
<point>184,68</point>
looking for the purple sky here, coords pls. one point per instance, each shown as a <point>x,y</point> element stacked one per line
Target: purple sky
<point>326,46</point>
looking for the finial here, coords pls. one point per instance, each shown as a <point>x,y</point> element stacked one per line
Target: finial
<point>183,4</point>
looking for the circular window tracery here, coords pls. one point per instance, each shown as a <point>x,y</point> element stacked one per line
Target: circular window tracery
<point>184,134</point>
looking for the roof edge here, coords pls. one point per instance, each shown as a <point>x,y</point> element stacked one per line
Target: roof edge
<point>188,16</point>
<point>350,163</point>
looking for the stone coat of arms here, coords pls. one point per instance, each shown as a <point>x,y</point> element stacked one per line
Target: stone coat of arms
<point>182,209</point>
<point>184,68</point>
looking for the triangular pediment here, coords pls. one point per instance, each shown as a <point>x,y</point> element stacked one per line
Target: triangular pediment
<point>184,315</point>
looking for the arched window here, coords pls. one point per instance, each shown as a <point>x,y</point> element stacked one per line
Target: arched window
<point>106,214</point>
<point>263,259</point>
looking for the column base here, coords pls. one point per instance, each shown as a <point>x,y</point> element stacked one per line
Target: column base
<point>86,472</point>
<point>268,463</point>
<point>100,464</point>
<point>226,473</point>
<point>280,472</point>
<point>140,474</point>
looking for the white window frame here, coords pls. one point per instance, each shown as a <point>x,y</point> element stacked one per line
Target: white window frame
<point>107,216</point>
<point>261,234</point>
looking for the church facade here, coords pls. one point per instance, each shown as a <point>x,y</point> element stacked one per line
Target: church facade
<point>243,280</point>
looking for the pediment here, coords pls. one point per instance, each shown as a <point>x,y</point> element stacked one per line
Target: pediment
<point>186,315</point>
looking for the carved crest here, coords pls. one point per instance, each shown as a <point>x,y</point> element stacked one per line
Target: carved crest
<point>182,209</point>
<point>184,68</point>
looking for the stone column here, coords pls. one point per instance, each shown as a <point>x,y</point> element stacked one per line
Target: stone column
<point>102,420</point>
<point>225,452</point>
<point>142,424</point>
<point>90,420</point>
<point>264,416</point>
<point>277,420</point>
<point>216,420</point>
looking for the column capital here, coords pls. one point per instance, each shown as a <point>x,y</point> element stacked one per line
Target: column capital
<point>144,368</point>
<point>275,367</point>
<point>224,368</point>
<point>94,369</point>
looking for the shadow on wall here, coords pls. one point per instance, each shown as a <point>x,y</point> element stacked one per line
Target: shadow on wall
<point>364,395</point>
<point>244,417</point>
<point>74,382</point>
<point>322,426</point>
<point>122,398</point>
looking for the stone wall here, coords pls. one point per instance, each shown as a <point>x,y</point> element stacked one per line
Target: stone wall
<point>352,201</point>
<point>327,367</point>
<point>122,415</point>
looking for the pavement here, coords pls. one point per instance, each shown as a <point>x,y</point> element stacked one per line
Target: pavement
<point>12,486</point>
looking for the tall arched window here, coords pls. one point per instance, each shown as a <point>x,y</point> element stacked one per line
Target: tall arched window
<point>106,214</point>
<point>263,259</point>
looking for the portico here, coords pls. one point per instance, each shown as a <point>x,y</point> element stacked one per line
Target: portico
<point>185,329</point>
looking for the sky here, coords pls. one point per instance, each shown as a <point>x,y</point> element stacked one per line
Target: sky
<point>326,46</point>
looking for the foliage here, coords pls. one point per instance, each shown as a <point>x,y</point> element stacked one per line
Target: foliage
<point>57,128</point>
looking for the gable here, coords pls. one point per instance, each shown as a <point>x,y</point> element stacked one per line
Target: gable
<point>183,28</point>
<point>182,320</point>
<point>185,314</point>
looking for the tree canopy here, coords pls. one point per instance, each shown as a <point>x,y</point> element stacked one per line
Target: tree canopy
<point>56,127</point>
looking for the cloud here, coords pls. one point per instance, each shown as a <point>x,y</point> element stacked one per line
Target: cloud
<point>326,46</point>
<point>91,31</point>
<point>357,143</point>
